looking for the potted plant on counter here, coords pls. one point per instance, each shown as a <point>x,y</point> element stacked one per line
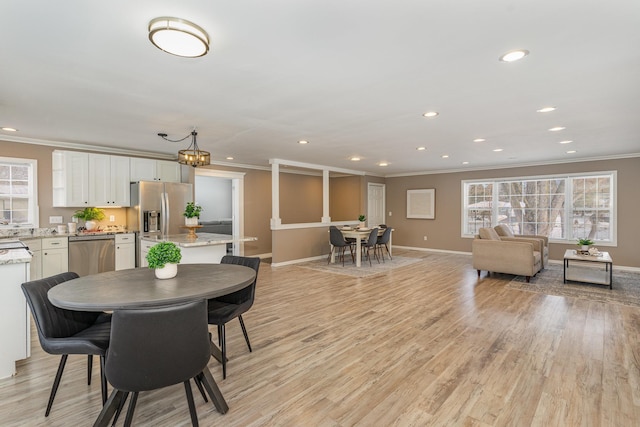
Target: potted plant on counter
<point>90,216</point>
<point>164,258</point>
<point>192,213</point>
<point>362,220</point>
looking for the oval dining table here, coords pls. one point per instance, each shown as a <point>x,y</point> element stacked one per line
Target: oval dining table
<point>139,288</point>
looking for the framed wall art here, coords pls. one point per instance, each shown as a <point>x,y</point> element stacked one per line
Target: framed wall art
<point>421,204</point>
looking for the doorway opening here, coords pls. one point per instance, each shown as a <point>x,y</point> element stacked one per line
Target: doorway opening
<point>220,193</point>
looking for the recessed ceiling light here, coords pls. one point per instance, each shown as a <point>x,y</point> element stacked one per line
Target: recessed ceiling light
<point>566,142</point>
<point>546,109</point>
<point>514,55</point>
<point>383,164</point>
<point>465,163</point>
<point>302,141</point>
<point>431,114</point>
<point>421,148</point>
<point>557,128</point>
<point>355,159</point>
<point>498,149</point>
<point>572,151</point>
<point>229,158</point>
<point>445,156</point>
<point>479,140</point>
<point>7,129</point>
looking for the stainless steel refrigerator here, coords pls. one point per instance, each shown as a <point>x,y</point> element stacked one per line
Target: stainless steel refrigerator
<point>157,207</point>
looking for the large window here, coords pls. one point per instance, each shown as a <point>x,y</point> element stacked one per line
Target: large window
<point>561,207</point>
<point>18,200</point>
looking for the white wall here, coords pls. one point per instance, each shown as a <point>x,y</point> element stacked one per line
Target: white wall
<point>214,195</point>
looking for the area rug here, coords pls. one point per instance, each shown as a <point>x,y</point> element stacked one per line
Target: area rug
<point>350,268</point>
<point>626,286</point>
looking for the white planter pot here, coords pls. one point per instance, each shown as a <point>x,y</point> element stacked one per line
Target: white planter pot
<point>167,272</point>
<point>584,248</point>
<point>363,225</point>
<point>191,221</point>
<point>90,225</point>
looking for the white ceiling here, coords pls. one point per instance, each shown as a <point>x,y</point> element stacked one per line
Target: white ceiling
<point>352,77</point>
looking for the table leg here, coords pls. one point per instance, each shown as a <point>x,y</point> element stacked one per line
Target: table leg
<point>358,252</point>
<point>214,392</point>
<point>610,265</point>
<point>564,271</point>
<point>390,245</point>
<point>333,255</point>
<point>109,409</point>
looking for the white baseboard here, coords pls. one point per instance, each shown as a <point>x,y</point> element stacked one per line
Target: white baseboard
<point>298,261</point>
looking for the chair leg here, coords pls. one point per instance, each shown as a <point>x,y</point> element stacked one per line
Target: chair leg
<point>388,252</point>
<point>244,331</point>
<point>56,383</point>
<point>199,385</point>
<point>103,381</point>
<point>131,409</point>
<point>192,405</point>
<point>125,395</point>
<point>223,347</point>
<point>89,368</point>
<point>220,333</point>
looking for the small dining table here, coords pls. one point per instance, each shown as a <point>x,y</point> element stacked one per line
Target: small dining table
<point>358,234</point>
<point>139,288</point>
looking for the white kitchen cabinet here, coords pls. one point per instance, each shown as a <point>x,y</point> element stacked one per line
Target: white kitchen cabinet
<point>15,342</point>
<point>35,246</point>
<point>154,170</point>
<point>144,250</point>
<point>55,256</point>
<point>83,179</point>
<point>125,251</point>
<point>70,179</point>
<point>109,183</point>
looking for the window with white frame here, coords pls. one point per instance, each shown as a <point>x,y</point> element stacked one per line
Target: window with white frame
<point>18,195</point>
<point>564,208</point>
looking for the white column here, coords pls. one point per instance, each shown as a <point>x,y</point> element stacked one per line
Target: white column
<point>325,197</point>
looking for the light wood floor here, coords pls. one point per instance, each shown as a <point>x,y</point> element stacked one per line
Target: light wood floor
<point>425,345</point>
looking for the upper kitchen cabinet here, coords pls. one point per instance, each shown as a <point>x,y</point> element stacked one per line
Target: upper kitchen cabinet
<point>109,183</point>
<point>70,178</point>
<point>83,179</point>
<point>154,170</point>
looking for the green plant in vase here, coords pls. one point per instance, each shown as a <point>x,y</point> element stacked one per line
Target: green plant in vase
<point>584,244</point>
<point>192,213</point>
<point>164,258</point>
<point>362,220</point>
<point>90,216</point>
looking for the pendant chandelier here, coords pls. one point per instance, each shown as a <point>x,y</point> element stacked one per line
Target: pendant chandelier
<point>193,155</point>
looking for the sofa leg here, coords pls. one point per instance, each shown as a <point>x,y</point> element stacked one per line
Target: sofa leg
<point>478,274</point>
<point>528,278</point>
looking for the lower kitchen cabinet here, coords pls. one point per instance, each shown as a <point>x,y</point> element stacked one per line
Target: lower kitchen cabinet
<point>55,256</point>
<point>35,269</point>
<point>125,251</point>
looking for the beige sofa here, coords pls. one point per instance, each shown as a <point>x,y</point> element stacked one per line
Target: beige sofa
<point>541,243</point>
<point>491,253</point>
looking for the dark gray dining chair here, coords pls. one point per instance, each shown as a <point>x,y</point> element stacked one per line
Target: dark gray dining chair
<point>371,244</point>
<point>66,332</point>
<point>153,348</point>
<point>222,310</point>
<point>383,241</point>
<point>338,241</point>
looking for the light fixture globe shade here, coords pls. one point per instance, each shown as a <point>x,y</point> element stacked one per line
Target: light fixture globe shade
<point>178,37</point>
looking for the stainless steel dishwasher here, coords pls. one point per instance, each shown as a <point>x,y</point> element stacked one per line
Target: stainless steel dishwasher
<point>92,254</point>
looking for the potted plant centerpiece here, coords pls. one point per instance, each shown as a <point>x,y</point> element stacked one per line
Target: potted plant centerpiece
<point>164,258</point>
<point>90,216</point>
<point>584,244</point>
<point>362,220</point>
<point>192,213</point>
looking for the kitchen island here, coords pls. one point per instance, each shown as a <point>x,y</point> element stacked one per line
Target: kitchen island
<point>205,248</point>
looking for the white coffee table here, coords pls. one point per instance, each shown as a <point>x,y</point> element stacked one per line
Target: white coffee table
<point>583,268</point>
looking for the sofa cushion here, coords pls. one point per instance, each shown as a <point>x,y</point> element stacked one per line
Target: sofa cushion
<point>503,230</point>
<point>488,234</point>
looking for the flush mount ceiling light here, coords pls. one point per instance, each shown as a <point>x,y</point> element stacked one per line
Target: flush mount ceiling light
<point>514,55</point>
<point>445,156</point>
<point>421,148</point>
<point>431,114</point>
<point>568,141</point>
<point>193,155</point>
<point>557,128</point>
<point>497,150</point>
<point>546,110</point>
<point>303,142</point>
<point>355,159</point>
<point>383,164</point>
<point>479,140</point>
<point>178,37</point>
<point>7,129</point>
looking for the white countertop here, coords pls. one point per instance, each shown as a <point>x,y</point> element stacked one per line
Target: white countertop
<point>203,239</point>
<point>14,256</point>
